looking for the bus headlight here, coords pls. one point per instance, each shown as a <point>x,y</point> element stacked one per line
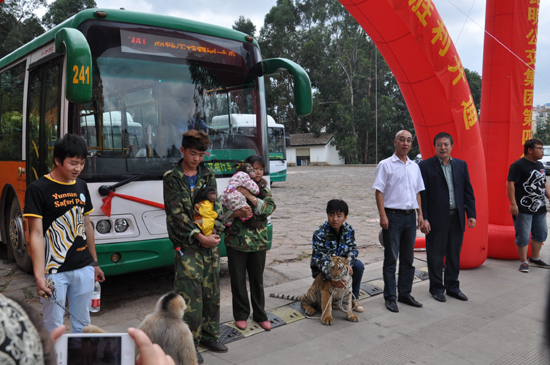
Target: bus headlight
<point>121,225</point>
<point>103,226</point>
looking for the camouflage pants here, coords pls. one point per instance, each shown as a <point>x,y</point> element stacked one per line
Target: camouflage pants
<point>198,282</point>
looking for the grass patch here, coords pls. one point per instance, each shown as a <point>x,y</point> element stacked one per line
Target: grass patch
<point>4,285</point>
<point>303,255</point>
<point>28,293</point>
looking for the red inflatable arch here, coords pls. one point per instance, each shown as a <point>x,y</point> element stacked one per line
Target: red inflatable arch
<point>414,41</point>
<point>506,104</point>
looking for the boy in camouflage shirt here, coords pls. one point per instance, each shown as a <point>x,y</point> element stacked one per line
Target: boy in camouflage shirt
<point>197,270</point>
<point>335,237</point>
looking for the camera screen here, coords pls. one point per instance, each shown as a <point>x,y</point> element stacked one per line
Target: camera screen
<point>94,350</point>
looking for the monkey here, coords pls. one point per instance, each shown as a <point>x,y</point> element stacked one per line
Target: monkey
<point>232,199</point>
<point>165,327</point>
<point>92,329</point>
<point>204,215</point>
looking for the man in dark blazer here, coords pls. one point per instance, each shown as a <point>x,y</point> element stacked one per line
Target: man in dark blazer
<point>447,197</point>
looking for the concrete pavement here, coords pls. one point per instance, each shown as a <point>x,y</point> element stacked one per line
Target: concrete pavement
<point>501,323</point>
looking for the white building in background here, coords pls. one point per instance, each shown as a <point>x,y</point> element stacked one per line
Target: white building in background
<point>305,149</point>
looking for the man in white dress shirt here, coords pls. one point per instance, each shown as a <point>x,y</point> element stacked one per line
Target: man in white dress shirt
<point>398,185</point>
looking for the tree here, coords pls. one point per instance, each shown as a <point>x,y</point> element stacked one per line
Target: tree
<point>474,80</point>
<point>23,9</point>
<point>18,24</point>
<point>60,10</point>
<point>347,74</point>
<point>280,37</point>
<point>245,26</point>
<point>542,131</point>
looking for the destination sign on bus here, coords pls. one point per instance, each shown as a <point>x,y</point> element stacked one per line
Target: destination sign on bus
<point>166,46</point>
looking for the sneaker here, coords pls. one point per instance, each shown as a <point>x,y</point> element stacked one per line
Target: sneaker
<point>539,263</point>
<point>215,346</point>
<point>357,307</point>
<point>524,267</point>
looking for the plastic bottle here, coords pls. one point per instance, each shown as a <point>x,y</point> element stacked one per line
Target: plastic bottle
<point>96,297</point>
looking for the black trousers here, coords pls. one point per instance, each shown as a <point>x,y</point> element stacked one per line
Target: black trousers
<point>447,245</point>
<point>240,263</point>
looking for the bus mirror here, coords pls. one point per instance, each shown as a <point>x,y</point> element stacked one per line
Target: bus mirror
<point>78,74</point>
<point>302,86</point>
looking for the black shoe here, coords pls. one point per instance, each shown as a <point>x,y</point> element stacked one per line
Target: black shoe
<point>200,360</point>
<point>440,297</point>
<point>458,295</point>
<point>539,263</point>
<point>410,301</point>
<point>392,306</point>
<point>215,346</point>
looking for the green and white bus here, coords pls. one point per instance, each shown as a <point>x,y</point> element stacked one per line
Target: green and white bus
<point>277,150</point>
<point>243,124</point>
<point>130,84</point>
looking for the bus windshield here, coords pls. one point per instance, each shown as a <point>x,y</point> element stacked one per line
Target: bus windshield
<point>151,85</point>
<point>277,147</point>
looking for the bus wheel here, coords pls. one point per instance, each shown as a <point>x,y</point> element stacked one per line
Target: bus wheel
<point>17,239</point>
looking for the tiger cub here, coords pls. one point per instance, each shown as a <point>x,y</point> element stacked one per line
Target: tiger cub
<point>319,294</point>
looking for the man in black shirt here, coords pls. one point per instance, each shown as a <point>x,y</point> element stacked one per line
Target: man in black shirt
<point>526,188</point>
<point>62,246</point>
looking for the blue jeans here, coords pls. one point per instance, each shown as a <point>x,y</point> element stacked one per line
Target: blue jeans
<point>358,269</point>
<point>530,224</point>
<point>399,240</point>
<point>77,286</point>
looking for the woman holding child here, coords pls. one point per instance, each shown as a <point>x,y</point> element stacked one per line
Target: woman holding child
<point>246,244</point>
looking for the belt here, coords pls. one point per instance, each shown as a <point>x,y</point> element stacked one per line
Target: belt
<point>403,211</point>
<point>453,211</point>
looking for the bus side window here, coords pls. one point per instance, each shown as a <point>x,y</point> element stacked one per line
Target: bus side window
<point>11,112</point>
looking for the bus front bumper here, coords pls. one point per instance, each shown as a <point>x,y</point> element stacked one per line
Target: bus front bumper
<point>143,255</point>
<point>278,176</point>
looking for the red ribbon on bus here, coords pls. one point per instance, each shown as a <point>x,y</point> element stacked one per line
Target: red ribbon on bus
<point>106,207</point>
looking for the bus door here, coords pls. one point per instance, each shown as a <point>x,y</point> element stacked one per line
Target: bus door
<point>43,117</point>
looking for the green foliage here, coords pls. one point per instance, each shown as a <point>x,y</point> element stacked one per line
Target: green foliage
<point>11,124</point>
<point>60,10</point>
<point>474,80</point>
<point>245,25</point>
<point>542,131</point>
<point>23,9</point>
<point>347,73</point>
<point>279,37</point>
<point>18,24</point>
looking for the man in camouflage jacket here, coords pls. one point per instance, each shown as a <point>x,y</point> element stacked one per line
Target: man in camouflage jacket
<point>197,269</point>
<point>336,237</point>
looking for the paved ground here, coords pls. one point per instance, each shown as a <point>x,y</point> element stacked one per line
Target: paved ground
<point>301,208</point>
<point>502,323</point>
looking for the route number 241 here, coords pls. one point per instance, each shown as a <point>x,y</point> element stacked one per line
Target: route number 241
<point>81,74</point>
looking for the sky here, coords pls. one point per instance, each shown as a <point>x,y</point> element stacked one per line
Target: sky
<point>466,33</point>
